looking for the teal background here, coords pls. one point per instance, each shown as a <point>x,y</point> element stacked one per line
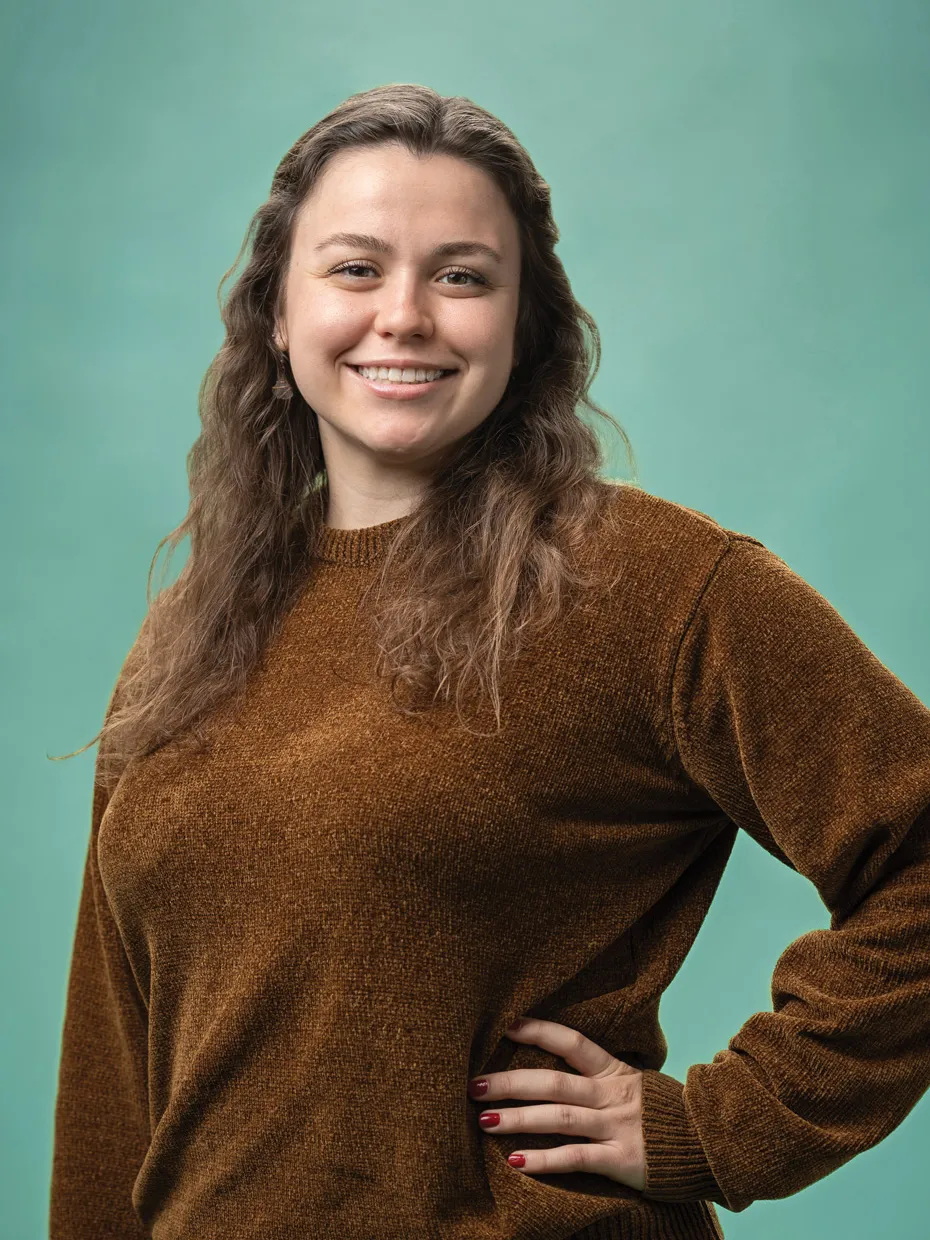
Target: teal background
<point>743,191</point>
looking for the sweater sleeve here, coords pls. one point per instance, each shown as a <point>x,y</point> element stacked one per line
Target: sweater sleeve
<point>101,1129</point>
<point>805,740</point>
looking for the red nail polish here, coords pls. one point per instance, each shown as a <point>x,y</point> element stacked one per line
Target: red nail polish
<point>490,1120</point>
<point>477,1089</point>
<point>517,1160</point>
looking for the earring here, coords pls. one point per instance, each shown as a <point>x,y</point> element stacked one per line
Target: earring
<point>282,389</point>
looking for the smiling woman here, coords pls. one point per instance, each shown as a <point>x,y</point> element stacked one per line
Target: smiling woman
<point>311,909</point>
<point>391,307</point>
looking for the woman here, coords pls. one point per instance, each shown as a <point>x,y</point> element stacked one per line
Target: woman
<point>316,896</point>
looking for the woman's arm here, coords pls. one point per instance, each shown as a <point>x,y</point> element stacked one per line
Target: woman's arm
<point>101,1114</point>
<point>810,744</point>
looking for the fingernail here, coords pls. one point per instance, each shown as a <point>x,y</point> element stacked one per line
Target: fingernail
<point>477,1089</point>
<point>490,1120</point>
<point>517,1024</point>
<point>516,1160</point>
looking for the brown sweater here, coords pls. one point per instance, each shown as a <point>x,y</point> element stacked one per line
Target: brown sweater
<point>291,955</point>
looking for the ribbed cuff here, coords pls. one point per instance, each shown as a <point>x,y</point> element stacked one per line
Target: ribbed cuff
<point>676,1168</point>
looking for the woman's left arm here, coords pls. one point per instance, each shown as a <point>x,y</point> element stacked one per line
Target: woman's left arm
<point>807,741</point>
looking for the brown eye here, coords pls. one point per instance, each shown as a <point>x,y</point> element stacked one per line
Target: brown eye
<point>351,266</point>
<point>463,271</point>
<point>345,268</point>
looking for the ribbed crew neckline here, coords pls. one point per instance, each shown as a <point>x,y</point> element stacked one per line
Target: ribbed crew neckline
<point>353,547</point>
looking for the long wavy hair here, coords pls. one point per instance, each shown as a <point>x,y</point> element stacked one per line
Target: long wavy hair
<point>489,556</point>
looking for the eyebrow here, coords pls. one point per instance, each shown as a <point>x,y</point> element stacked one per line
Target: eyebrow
<point>364,241</point>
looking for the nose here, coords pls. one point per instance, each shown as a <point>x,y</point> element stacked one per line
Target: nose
<point>402,308</point>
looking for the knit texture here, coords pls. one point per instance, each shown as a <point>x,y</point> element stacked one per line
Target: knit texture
<point>293,952</point>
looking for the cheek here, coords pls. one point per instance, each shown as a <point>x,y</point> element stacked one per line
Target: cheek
<point>326,325</point>
<point>485,334</point>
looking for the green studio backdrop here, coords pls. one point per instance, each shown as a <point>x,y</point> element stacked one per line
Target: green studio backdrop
<point>742,189</point>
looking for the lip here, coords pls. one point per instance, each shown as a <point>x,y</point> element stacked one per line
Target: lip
<point>403,363</point>
<point>400,391</point>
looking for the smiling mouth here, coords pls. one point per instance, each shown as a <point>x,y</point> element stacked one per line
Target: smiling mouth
<point>400,383</point>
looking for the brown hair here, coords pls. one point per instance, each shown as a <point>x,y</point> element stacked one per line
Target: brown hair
<point>488,552</point>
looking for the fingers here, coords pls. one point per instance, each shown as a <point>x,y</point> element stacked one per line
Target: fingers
<point>551,1117</point>
<point>611,1160</point>
<point>538,1083</point>
<point>603,1103</point>
<point>569,1044</point>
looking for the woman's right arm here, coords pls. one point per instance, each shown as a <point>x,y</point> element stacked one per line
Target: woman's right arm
<point>101,1129</point>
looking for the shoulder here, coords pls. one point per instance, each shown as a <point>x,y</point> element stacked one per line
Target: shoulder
<point>681,573</point>
<point>665,545</point>
<point>649,561</point>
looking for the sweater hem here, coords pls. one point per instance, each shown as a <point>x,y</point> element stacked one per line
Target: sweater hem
<point>689,1220</point>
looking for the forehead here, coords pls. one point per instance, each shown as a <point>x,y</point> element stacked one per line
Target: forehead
<point>389,191</point>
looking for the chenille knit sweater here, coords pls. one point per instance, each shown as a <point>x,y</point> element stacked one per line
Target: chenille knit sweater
<point>293,953</point>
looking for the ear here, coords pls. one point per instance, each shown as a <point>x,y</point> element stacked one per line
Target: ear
<point>280,340</point>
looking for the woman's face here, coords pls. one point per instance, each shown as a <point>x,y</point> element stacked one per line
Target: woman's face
<point>394,299</point>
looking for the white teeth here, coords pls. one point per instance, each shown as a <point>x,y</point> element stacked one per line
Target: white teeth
<point>396,375</point>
